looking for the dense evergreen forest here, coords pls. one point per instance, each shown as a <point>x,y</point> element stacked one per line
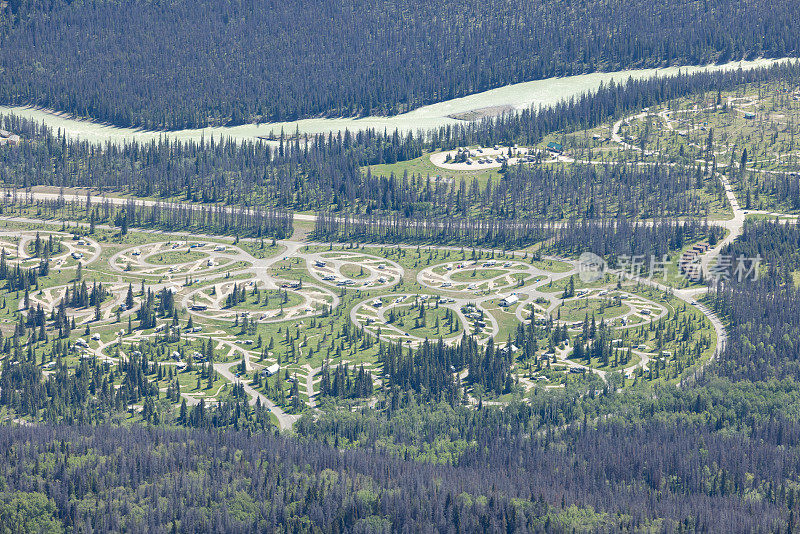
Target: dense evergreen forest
<point>151,480</point>
<point>187,64</point>
<point>763,313</point>
<point>154,480</point>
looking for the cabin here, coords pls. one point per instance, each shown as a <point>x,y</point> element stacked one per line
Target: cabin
<point>555,148</point>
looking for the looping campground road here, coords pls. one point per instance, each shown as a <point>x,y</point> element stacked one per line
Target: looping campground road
<point>733,226</point>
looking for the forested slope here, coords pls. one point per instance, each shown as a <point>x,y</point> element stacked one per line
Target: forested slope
<point>613,477</point>
<point>187,64</point>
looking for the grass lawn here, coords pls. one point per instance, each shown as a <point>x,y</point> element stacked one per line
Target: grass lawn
<point>412,323</point>
<point>173,257</point>
<point>577,309</point>
<point>477,273</point>
<point>354,271</point>
<point>422,165</point>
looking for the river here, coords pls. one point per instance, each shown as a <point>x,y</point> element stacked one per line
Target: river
<point>517,96</point>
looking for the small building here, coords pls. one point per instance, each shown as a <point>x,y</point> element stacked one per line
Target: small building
<point>510,300</point>
<point>272,370</point>
<point>555,148</point>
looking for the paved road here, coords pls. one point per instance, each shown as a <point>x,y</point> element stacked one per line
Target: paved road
<point>734,227</point>
<point>285,420</point>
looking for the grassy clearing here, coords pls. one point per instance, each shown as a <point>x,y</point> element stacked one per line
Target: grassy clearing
<point>175,257</point>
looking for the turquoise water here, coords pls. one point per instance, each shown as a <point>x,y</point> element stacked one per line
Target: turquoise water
<point>518,96</point>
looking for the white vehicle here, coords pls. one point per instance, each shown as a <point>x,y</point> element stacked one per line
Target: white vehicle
<point>329,277</point>
<point>96,337</point>
<point>136,252</point>
<point>377,303</point>
<point>382,266</point>
<point>219,248</point>
<point>447,284</point>
<point>472,286</point>
<point>210,263</point>
<point>77,255</point>
<point>319,263</point>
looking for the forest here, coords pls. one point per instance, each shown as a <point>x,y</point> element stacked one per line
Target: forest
<point>172,66</point>
<point>159,480</point>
